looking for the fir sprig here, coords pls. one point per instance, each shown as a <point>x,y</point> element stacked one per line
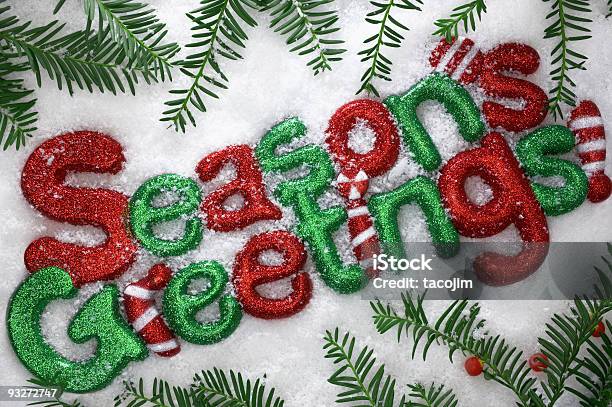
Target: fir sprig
<point>565,337</point>
<point>217,32</point>
<point>214,389</point>
<point>460,329</point>
<point>568,26</point>
<point>308,27</point>
<point>594,373</point>
<point>464,14</point>
<point>567,334</point>
<point>209,388</point>
<point>359,377</point>
<point>162,395</point>
<point>135,27</point>
<point>388,36</point>
<point>85,59</point>
<point>78,58</point>
<point>17,119</point>
<point>456,328</point>
<point>433,396</point>
<point>609,9</point>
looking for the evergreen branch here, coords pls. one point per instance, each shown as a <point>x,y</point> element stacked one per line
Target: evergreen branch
<point>595,374</point>
<point>209,388</point>
<point>162,395</point>
<point>17,119</point>
<point>566,336</point>
<point>609,9</point>
<point>135,27</point>
<point>354,374</point>
<point>389,28</point>
<point>456,328</point>
<point>83,58</point>
<point>308,27</point>
<point>463,14</point>
<point>56,399</point>
<point>217,32</point>
<point>434,396</point>
<point>213,388</point>
<point>568,26</point>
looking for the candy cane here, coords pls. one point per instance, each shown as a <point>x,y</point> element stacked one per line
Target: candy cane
<point>461,59</point>
<point>356,169</point>
<point>144,317</point>
<point>352,184</point>
<point>586,123</point>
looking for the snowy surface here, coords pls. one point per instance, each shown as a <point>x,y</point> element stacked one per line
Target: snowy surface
<point>268,85</point>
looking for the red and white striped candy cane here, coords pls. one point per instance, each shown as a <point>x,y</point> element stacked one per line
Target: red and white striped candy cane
<point>357,168</point>
<point>139,302</point>
<point>586,123</point>
<point>461,59</point>
<point>352,184</point>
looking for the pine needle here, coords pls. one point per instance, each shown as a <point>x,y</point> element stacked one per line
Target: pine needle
<point>568,26</point>
<point>388,36</point>
<point>308,27</point>
<point>463,14</point>
<point>217,32</point>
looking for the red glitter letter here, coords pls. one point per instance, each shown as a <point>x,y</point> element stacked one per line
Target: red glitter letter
<point>42,182</point>
<point>248,183</point>
<point>249,273</point>
<point>513,202</point>
<point>512,57</point>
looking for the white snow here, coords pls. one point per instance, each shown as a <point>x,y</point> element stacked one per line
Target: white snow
<point>271,84</point>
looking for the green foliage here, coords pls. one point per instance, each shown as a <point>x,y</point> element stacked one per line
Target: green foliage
<point>85,59</point>
<point>135,27</point>
<point>388,36</point>
<point>217,32</point>
<point>77,58</point>
<point>463,14</point>
<point>566,336</point>
<point>434,396</point>
<point>308,28</point>
<point>162,395</point>
<point>568,26</point>
<point>357,374</point>
<point>460,329</point>
<point>214,389</point>
<point>609,9</point>
<point>210,388</point>
<point>594,373</point>
<point>17,119</point>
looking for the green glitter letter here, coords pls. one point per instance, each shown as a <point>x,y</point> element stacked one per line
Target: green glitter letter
<point>532,151</point>
<point>315,225</point>
<point>457,102</point>
<point>180,307</point>
<point>143,215</point>
<point>424,192</point>
<point>99,318</point>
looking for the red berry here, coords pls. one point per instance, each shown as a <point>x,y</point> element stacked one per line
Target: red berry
<point>473,366</point>
<point>599,329</point>
<point>537,362</point>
